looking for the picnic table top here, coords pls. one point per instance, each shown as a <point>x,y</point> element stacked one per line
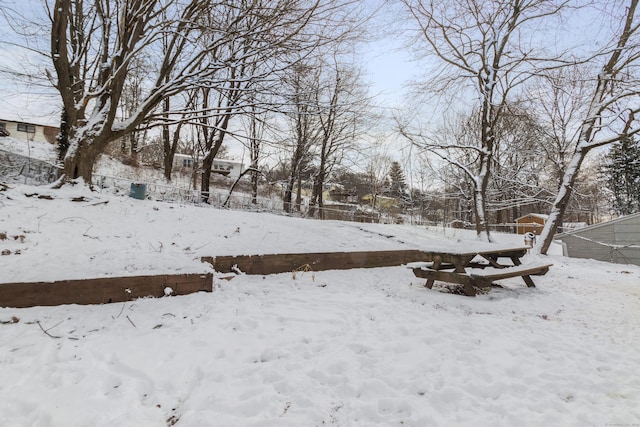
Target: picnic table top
<point>482,251</point>
<point>453,253</point>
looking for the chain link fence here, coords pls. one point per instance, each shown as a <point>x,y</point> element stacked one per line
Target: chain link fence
<point>19,169</point>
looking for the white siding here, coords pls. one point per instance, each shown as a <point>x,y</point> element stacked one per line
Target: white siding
<point>23,130</point>
<point>615,241</point>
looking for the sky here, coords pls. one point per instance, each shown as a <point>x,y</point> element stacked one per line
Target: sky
<point>388,64</point>
<point>387,68</point>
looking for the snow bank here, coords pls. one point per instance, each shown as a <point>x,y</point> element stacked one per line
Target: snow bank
<point>356,347</point>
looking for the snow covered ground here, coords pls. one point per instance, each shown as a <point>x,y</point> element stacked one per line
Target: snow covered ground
<point>358,347</point>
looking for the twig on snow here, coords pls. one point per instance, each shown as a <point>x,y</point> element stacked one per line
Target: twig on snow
<point>131,321</point>
<point>121,310</point>
<point>46,331</point>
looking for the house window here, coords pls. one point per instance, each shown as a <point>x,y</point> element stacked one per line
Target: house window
<point>25,127</point>
<point>187,163</point>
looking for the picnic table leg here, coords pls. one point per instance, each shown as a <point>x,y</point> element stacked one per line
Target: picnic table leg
<point>459,264</point>
<point>469,290</point>
<point>528,281</point>
<point>436,266</point>
<point>493,261</point>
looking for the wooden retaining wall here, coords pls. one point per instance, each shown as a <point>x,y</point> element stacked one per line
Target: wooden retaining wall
<point>101,290</point>
<point>282,263</point>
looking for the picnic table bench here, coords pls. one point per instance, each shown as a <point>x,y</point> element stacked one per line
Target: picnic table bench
<point>477,269</point>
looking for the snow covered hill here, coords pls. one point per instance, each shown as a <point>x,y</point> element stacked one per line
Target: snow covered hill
<point>357,347</point>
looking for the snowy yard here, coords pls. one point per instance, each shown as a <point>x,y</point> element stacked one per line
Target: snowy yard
<point>356,347</point>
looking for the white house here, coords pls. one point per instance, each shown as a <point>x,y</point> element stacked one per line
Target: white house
<point>29,131</point>
<point>230,168</point>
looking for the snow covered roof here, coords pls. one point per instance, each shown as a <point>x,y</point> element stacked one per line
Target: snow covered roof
<point>38,121</point>
<point>535,215</point>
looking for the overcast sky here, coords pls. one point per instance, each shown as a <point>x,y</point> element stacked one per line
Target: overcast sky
<point>387,68</point>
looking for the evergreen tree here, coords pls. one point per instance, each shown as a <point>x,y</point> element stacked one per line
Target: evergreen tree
<point>397,183</point>
<point>622,172</point>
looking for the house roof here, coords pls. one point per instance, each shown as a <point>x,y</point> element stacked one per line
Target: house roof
<point>46,122</point>
<point>599,225</point>
<point>535,215</point>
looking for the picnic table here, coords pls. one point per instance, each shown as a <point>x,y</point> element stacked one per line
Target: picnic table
<point>478,268</point>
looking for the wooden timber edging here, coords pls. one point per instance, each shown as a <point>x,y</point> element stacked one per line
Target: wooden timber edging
<point>101,290</point>
<point>283,263</point>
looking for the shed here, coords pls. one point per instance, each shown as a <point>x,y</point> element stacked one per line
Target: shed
<point>615,241</point>
<point>532,222</point>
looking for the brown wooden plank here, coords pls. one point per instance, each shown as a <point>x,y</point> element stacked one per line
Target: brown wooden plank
<point>506,253</point>
<point>468,282</point>
<point>282,263</point>
<point>505,273</point>
<point>100,290</point>
<point>444,276</point>
<point>528,281</point>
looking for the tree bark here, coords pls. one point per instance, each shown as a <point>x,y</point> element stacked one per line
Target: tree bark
<point>78,162</point>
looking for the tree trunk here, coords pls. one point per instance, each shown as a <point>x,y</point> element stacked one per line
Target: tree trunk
<point>205,180</point>
<point>562,201</point>
<point>288,194</point>
<point>207,162</point>
<point>166,143</point>
<point>79,161</point>
<point>294,175</point>
<point>133,140</point>
<point>255,154</point>
<point>487,135</point>
<point>321,197</point>
<point>254,185</point>
<point>168,155</point>
<point>299,195</point>
<point>481,183</point>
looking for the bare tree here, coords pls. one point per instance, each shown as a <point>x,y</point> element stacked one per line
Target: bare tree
<point>489,48</point>
<point>376,171</point>
<point>560,97</point>
<point>301,84</point>
<point>341,108</point>
<point>237,83</point>
<point>610,114</point>
<point>95,42</point>
<point>129,102</point>
<point>256,126</point>
<point>453,146</point>
<point>169,141</point>
<point>519,163</point>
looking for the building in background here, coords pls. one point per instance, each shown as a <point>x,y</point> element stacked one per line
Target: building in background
<point>230,168</point>
<point>28,131</point>
<point>531,223</point>
<point>615,241</point>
